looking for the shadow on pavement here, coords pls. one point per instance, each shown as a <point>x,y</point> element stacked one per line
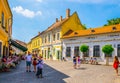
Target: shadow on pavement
<point>19,75</point>
<point>82,68</point>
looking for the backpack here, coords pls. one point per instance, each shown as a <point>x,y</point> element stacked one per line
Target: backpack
<point>40,64</point>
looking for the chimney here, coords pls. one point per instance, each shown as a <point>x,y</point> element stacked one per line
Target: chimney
<point>67,13</point>
<point>56,19</point>
<point>60,18</point>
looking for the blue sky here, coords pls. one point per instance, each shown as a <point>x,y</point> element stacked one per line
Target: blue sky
<point>33,16</point>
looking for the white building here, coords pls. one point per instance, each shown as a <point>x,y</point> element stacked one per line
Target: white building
<point>51,37</point>
<point>95,38</point>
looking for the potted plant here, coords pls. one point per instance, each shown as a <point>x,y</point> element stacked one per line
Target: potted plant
<point>107,49</point>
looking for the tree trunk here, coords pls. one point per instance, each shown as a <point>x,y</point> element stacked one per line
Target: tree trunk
<point>107,61</point>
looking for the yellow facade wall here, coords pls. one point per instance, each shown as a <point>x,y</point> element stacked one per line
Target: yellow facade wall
<point>72,23</point>
<point>29,47</point>
<point>35,45</point>
<point>5,19</point>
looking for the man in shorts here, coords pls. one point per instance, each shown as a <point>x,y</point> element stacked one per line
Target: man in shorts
<point>28,62</point>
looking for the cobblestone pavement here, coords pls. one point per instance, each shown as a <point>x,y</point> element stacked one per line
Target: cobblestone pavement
<point>62,72</point>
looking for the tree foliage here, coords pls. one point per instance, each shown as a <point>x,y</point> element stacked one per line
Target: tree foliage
<point>113,21</point>
<point>84,26</point>
<point>84,48</point>
<point>107,49</point>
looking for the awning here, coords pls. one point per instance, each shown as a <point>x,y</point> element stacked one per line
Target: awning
<point>17,45</point>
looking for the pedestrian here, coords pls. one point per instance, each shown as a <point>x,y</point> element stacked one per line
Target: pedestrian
<point>116,64</point>
<point>74,62</point>
<point>78,61</point>
<point>51,57</point>
<point>40,68</point>
<point>28,59</point>
<point>91,60</point>
<point>64,59</point>
<point>34,64</point>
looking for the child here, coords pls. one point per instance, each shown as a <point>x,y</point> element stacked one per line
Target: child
<point>116,64</point>
<point>34,64</point>
<point>39,67</point>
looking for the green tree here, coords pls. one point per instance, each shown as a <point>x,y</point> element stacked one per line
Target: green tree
<point>84,26</point>
<point>113,21</point>
<point>84,48</point>
<point>107,49</point>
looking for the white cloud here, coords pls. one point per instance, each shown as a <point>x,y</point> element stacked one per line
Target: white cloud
<point>97,1</point>
<point>26,12</point>
<point>39,1</point>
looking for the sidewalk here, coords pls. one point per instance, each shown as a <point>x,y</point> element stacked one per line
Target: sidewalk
<point>103,63</point>
<point>87,73</point>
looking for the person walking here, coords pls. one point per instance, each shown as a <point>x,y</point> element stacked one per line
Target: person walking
<point>51,57</point>
<point>28,59</point>
<point>116,64</point>
<point>40,68</point>
<point>78,61</point>
<point>34,64</point>
<point>74,62</point>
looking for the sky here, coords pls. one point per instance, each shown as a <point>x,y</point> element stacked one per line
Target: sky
<point>33,16</point>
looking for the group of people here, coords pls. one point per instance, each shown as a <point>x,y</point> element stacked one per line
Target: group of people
<point>76,62</point>
<point>37,63</point>
<point>93,60</point>
<point>9,62</point>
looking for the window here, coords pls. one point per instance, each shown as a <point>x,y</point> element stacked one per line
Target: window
<point>92,30</point>
<point>114,28</point>
<point>42,52</point>
<point>0,47</point>
<point>58,36</point>
<point>7,51</point>
<point>45,39</point>
<point>86,54</point>
<point>42,40</point>
<point>96,51</point>
<point>4,50</point>
<point>2,19</point>
<point>68,52</point>
<point>110,55</point>
<point>49,38</point>
<point>118,50</point>
<point>75,33</point>
<point>76,50</point>
<point>53,37</point>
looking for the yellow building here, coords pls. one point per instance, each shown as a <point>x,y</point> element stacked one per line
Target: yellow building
<point>5,27</point>
<point>35,44</point>
<point>51,37</point>
<point>29,46</point>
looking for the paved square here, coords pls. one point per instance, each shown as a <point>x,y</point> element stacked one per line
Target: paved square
<point>62,72</point>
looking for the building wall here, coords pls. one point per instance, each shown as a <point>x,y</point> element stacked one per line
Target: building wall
<point>54,47</point>
<point>5,26</point>
<point>72,23</point>
<point>29,46</point>
<point>92,40</point>
<point>34,46</point>
<point>51,46</point>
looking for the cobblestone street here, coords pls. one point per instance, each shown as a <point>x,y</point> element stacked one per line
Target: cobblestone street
<point>62,72</point>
